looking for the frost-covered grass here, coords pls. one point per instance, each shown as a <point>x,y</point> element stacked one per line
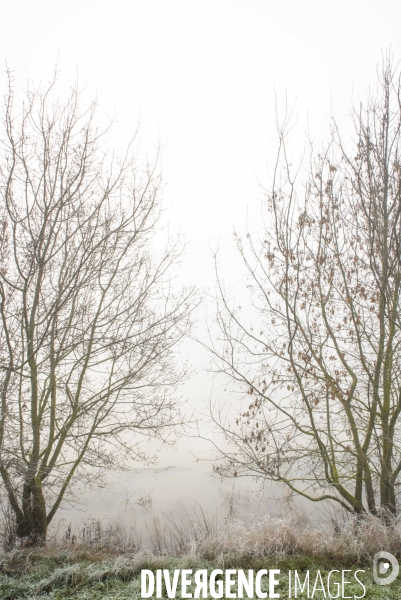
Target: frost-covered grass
<point>80,575</point>
<point>100,570</point>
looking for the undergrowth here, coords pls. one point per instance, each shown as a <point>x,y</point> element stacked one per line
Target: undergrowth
<point>85,575</point>
<point>100,570</point>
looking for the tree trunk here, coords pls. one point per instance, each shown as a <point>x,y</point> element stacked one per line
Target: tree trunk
<point>33,526</point>
<point>388,496</point>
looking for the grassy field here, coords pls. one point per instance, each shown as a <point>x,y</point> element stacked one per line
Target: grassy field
<point>84,574</point>
<point>110,567</point>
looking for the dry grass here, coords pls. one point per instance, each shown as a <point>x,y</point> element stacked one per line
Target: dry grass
<point>191,540</point>
<point>193,534</point>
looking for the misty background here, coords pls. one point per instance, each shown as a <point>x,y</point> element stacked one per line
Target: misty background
<point>204,78</point>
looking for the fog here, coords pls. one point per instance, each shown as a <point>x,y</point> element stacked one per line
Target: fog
<point>204,78</point>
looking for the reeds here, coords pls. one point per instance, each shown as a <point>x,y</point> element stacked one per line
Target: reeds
<point>196,536</point>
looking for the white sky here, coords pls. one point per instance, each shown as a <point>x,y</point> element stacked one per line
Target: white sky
<point>204,73</point>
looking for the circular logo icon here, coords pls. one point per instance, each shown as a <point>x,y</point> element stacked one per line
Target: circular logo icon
<point>381,568</point>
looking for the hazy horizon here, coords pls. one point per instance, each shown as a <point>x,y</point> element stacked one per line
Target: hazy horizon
<point>205,78</point>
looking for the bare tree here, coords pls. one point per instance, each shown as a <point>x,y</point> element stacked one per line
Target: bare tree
<point>89,320</point>
<point>319,369</point>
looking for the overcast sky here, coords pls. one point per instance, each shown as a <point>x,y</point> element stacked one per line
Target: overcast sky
<point>204,75</point>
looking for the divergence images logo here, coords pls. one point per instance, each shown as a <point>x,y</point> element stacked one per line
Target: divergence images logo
<point>382,563</point>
